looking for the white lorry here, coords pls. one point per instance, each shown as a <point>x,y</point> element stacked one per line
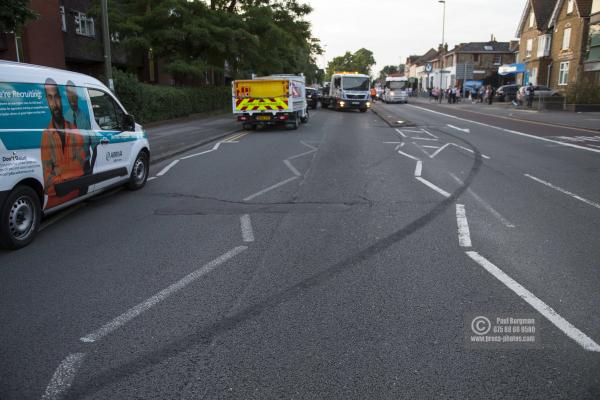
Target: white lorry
<point>348,90</point>
<point>395,90</point>
<point>270,100</point>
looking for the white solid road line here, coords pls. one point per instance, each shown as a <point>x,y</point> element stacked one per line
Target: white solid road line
<point>63,376</point>
<point>408,155</point>
<point>424,138</point>
<point>291,167</point>
<point>432,186</point>
<point>197,154</point>
<point>464,130</point>
<point>565,326</point>
<point>247,232</point>
<point>152,178</point>
<point>167,168</point>
<point>160,296</point>
<point>429,133</point>
<point>469,150</point>
<point>438,151</point>
<point>573,195</point>
<point>275,186</point>
<point>464,235</point>
<point>485,205</point>
<point>400,132</point>
<point>418,168</point>
<point>508,130</point>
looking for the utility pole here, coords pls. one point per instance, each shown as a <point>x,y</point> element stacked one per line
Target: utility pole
<point>442,49</point>
<point>106,39</point>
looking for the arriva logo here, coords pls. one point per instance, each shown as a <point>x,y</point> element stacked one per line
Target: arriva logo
<point>113,154</point>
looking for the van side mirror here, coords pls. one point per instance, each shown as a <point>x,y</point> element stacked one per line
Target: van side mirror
<point>128,122</point>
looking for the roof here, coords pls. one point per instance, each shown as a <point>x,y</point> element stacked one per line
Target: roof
<point>482,47</point>
<point>542,10</point>
<point>11,71</point>
<point>412,59</point>
<point>432,54</point>
<point>584,8</point>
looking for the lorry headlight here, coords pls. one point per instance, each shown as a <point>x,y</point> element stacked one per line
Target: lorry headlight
<point>368,104</point>
<point>392,93</point>
<point>342,103</point>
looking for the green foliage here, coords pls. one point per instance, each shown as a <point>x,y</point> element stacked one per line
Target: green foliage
<point>150,103</point>
<point>360,61</point>
<point>585,92</point>
<point>14,14</point>
<point>238,37</point>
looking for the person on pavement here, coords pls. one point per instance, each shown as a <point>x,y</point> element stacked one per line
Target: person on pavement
<point>530,94</point>
<point>373,94</point>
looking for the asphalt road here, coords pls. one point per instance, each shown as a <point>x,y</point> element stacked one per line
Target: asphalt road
<point>347,259</point>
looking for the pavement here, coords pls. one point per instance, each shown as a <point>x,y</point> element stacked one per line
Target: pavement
<point>455,258</point>
<point>583,120</point>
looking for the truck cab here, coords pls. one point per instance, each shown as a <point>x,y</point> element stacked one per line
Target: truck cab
<point>395,90</point>
<point>349,91</point>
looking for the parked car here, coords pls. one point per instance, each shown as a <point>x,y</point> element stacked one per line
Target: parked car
<point>538,91</point>
<point>79,141</point>
<point>312,97</point>
<point>507,92</point>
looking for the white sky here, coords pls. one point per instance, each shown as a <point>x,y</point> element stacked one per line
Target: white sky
<point>395,29</point>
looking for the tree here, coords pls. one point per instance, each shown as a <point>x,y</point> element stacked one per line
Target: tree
<point>197,39</point>
<point>360,61</point>
<point>14,14</point>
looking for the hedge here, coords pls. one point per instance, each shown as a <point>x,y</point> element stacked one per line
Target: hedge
<point>149,103</point>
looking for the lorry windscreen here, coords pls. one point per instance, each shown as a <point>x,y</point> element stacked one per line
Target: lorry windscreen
<point>396,85</point>
<point>355,83</point>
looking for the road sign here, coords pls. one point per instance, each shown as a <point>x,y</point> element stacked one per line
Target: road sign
<point>428,67</point>
<point>464,71</point>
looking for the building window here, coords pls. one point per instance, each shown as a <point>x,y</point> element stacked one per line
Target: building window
<point>569,6</point>
<point>84,25</point>
<point>563,73</point>
<point>497,59</point>
<point>531,19</point>
<point>566,39</point>
<point>476,58</point>
<point>63,19</point>
<point>544,42</point>
<point>593,47</point>
<point>529,48</point>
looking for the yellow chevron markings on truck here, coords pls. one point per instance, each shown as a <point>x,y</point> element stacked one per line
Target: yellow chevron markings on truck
<point>264,104</point>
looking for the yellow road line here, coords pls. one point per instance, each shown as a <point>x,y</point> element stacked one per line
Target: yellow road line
<point>236,137</point>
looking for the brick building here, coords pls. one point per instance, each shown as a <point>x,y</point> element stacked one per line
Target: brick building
<point>591,66</point>
<point>535,41</point>
<point>65,36</point>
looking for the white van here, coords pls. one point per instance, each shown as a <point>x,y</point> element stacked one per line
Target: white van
<point>395,89</point>
<point>63,138</point>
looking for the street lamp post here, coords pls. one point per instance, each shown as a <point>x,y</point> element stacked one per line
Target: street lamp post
<point>442,49</point>
<point>106,40</point>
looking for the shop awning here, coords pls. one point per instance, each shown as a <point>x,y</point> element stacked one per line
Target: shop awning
<point>510,69</point>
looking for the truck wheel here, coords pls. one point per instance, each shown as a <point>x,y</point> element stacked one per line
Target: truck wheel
<point>292,126</point>
<point>139,172</point>
<point>363,110</point>
<point>324,105</point>
<point>21,215</point>
<point>305,118</point>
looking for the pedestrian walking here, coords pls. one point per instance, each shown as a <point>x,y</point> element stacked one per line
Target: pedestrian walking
<point>530,95</point>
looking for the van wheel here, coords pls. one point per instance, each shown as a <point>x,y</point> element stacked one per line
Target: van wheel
<point>139,172</point>
<point>21,216</point>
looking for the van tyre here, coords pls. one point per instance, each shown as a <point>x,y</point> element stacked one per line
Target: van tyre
<point>139,172</point>
<point>21,215</point>
<point>293,125</point>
